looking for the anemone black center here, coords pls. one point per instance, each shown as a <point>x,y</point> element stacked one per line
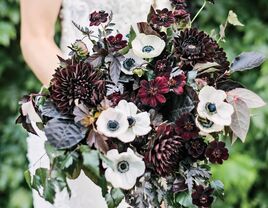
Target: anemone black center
<point>123,166</point>
<point>131,121</point>
<point>113,125</point>
<point>211,107</point>
<point>129,63</point>
<point>148,49</point>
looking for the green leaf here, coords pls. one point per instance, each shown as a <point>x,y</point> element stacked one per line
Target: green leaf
<point>233,19</point>
<point>131,36</point>
<point>114,198</point>
<point>218,187</point>
<point>28,177</point>
<point>185,199</point>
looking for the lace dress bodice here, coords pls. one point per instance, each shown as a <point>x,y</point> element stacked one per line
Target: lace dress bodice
<point>85,194</point>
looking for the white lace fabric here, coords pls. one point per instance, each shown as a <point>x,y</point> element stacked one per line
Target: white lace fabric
<point>85,194</point>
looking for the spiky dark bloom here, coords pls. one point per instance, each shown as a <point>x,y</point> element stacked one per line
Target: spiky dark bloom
<point>96,18</point>
<point>162,67</point>
<point>163,18</point>
<point>152,92</point>
<point>216,152</point>
<point>197,47</point>
<point>202,197</point>
<point>186,128</point>
<point>164,152</point>
<point>76,81</point>
<point>196,148</point>
<point>177,83</point>
<point>116,42</point>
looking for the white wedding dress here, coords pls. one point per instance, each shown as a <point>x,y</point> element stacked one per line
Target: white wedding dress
<point>85,194</point>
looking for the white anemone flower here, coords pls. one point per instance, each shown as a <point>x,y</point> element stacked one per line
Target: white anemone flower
<point>125,168</point>
<point>139,123</point>
<point>147,46</point>
<point>112,122</point>
<point>131,62</point>
<point>206,126</point>
<point>213,107</point>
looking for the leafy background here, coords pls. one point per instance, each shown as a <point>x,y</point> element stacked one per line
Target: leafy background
<point>244,175</point>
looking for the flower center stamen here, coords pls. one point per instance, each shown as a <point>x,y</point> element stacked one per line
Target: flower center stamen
<point>131,121</point>
<point>148,49</point>
<point>113,125</point>
<point>211,108</point>
<point>129,63</point>
<point>123,166</point>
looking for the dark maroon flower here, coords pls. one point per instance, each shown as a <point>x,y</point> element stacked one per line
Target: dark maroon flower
<point>185,127</point>
<point>177,83</point>
<point>216,152</point>
<point>162,67</point>
<point>116,42</point>
<point>180,14</point>
<point>197,47</point>
<point>96,18</point>
<point>202,197</point>
<point>178,4</point>
<point>196,148</point>
<point>76,81</point>
<point>152,92</point>
<point>163,18</point>
<point>165,151</point>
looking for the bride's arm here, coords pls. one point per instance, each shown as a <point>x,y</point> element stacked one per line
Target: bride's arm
<point>38,19</point>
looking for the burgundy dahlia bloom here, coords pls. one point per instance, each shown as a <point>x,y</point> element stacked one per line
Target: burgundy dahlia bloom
<point>163,18</point>
<point>152,92</point>
<point>162,67</point>
<point>177,84</point>
<point>202,197</point>
<point>216,152</point>
<point>96,18</point>
<point>196,148</point>
<point>116,42</point>
<point>186,128</point>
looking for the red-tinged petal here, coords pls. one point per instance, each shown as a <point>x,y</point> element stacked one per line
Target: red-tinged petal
<point>161,98</point>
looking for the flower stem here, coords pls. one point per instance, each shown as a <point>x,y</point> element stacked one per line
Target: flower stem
<point>200,10</point>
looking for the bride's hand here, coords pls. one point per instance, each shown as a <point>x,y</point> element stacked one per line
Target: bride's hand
<point>38,19</point>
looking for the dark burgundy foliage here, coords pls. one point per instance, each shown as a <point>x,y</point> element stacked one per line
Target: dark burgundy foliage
<point>116,42</point>
<point>152,92</point>
<point>96,18</point>
<point>163,18</point>
<point>196,148</point>
<point>76,81</point>
<point>202,197</point>
<point>186,128</point>
<point>216,152</point>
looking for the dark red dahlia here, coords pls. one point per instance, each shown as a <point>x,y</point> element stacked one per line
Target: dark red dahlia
<point>76,81</point>
<point>196,148</point>
<point>116,42</point>
<point>202,197</point>
<point>165,151</point>
<point>152,92</point>
<point>177,83</point>
<point>163,18</point>
<point>162,67</point>
<point>197,47</point>
<point>216,152</point>
<point>186,128</point>
<point>96,18</point>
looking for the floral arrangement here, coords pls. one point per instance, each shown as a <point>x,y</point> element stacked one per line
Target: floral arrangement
<point>144,115</point>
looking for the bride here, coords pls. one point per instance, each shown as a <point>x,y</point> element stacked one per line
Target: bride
<point>40,50</point>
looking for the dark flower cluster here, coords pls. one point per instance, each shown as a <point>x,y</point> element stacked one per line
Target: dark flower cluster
<point>147,108</point>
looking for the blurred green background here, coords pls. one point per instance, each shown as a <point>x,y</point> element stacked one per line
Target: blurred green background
<point>244,175</point>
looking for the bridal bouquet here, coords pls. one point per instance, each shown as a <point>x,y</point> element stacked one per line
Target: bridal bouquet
<point>145,115</point>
